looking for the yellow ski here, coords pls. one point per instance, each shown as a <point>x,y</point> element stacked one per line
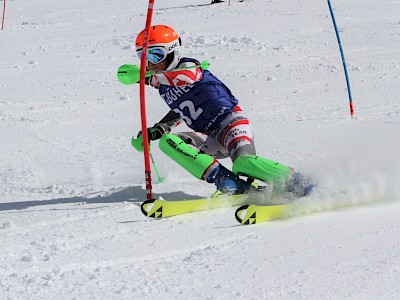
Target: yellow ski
<point>253,214</point>
<point>163,209</point>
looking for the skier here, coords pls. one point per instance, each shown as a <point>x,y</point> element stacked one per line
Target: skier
<point>221,129</point>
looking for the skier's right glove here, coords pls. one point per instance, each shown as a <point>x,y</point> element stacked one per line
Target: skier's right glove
<point>147,80</point>
<point>154,133</point>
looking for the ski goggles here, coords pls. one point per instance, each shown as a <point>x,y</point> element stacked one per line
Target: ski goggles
<point>155,55</point>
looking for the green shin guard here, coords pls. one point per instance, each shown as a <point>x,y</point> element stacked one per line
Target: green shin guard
<point>261,168</point>
<point>190,159</point>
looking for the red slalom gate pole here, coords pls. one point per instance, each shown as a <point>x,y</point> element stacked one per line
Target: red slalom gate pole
<point>4,14</point>
<point>146,150</point>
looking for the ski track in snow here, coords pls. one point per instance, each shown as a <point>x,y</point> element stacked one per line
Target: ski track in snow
<point>197,257</point>
<point>71,185</point>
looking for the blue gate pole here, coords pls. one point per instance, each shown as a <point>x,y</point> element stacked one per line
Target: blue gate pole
<point>343,60</point>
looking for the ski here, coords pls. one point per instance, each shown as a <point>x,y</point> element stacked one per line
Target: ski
<point>250,210</point>
<point>283,206</point>
<point>254,214</point>
<point>162,208</point>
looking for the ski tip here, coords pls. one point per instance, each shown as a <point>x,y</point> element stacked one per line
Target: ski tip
<point>246,215</point>
<point>241,214</point>
<point>147,207</point>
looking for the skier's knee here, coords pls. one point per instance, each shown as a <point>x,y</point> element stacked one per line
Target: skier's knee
<point>186,156</point>
<point>261,168</point>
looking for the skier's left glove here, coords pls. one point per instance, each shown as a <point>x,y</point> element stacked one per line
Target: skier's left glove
<point>154,133</point>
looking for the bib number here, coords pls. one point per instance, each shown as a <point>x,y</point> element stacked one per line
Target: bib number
<point>194,114</point>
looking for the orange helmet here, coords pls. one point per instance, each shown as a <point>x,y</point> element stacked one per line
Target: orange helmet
<point>162,39</point>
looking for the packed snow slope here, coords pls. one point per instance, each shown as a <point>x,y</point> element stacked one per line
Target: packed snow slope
<point>71,185</point>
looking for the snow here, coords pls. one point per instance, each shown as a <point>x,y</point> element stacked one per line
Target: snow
<point>71,185</point>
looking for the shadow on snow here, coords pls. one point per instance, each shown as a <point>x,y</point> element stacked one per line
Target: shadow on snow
<point>134,194</point>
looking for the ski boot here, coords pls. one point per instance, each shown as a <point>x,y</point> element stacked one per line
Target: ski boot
<point>227,183</point>
<point>299,184</point>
